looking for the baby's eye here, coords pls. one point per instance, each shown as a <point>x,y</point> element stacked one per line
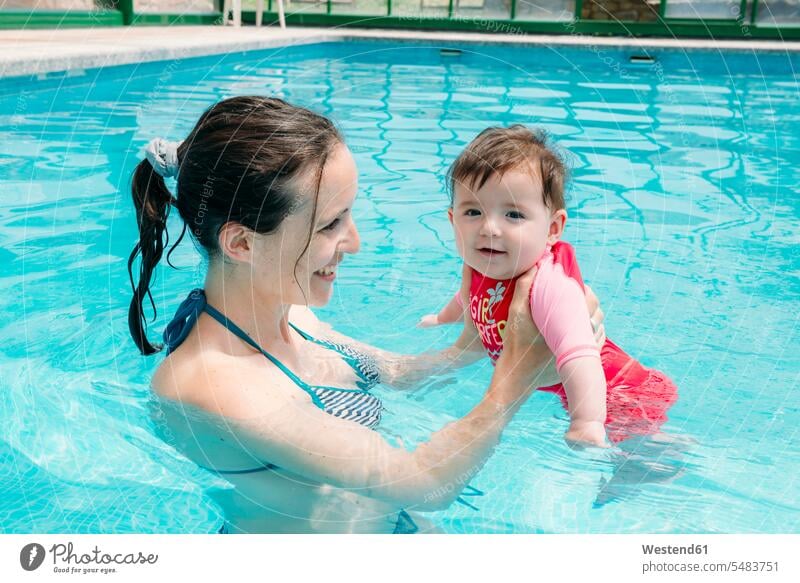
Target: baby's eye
<point>472,213</point>
<point>515,215</point>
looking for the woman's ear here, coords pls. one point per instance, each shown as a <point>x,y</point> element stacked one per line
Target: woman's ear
<point>236,242</point>
<point>557,223</point>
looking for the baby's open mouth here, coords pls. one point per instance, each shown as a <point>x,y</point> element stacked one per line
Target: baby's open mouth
<point>489,252</point>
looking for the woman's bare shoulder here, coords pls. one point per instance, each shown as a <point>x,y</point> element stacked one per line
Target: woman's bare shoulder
<point>305,319</point>
<point>234,386</point>
<point>225,385</point>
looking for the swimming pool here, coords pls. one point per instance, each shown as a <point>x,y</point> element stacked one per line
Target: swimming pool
<point>683,212</point>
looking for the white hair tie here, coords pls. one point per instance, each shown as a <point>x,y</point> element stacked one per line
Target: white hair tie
<point>163,156</point>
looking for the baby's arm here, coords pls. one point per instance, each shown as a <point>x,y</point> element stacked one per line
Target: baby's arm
<point>452,312</point>
<point>585,385</point>
<point>558,305</point>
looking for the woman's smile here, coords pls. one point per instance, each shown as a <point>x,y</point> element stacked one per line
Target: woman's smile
<point>327,273</point>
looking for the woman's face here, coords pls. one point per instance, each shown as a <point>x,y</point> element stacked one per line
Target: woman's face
<point>309,279</point>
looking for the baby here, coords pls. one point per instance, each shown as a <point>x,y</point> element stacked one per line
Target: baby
<point>507,210</point>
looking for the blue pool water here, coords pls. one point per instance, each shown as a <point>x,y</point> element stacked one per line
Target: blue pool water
<point>684,213</point>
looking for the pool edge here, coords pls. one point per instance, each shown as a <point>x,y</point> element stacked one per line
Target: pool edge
<point>36,52</point>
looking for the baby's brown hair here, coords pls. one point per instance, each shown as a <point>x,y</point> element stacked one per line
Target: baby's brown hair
<point>496,150</point>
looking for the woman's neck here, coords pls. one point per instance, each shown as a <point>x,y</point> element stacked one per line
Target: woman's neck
<point>262,316</point>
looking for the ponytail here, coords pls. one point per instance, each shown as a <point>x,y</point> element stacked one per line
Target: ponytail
<point>240,163</point>
<point>152,200</point>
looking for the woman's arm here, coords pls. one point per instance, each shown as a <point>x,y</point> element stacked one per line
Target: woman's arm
<point>408,370</point>
<point>306,441</point>
<point>293,434</point>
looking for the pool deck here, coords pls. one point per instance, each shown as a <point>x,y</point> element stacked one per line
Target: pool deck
<point>35,52</point>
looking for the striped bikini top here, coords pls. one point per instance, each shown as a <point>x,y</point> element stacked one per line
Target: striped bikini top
<point>357,405</point>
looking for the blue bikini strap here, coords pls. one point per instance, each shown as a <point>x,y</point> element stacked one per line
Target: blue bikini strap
<point>223,319</point>
<point>351,360</point>
<point>186,317</point>
<point>310,338</point>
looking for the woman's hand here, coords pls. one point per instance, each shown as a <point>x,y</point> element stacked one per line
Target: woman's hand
<point>525,353</point>
<point>521,333</point>
<point>596,316</point>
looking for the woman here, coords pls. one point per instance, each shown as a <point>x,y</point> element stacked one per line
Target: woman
<point>255,387</point>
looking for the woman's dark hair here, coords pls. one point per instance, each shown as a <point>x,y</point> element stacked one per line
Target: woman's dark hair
<point>237,165</point>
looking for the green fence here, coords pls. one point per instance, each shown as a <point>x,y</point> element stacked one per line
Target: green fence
<point>775,19</point>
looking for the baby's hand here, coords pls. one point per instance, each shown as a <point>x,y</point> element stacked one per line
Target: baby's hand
<point>428,321</point>
<point>586,433</point>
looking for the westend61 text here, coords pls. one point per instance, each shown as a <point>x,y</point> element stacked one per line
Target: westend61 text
<point>670,550</point>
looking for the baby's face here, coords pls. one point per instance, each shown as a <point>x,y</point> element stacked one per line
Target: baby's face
<point>503,228</point>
